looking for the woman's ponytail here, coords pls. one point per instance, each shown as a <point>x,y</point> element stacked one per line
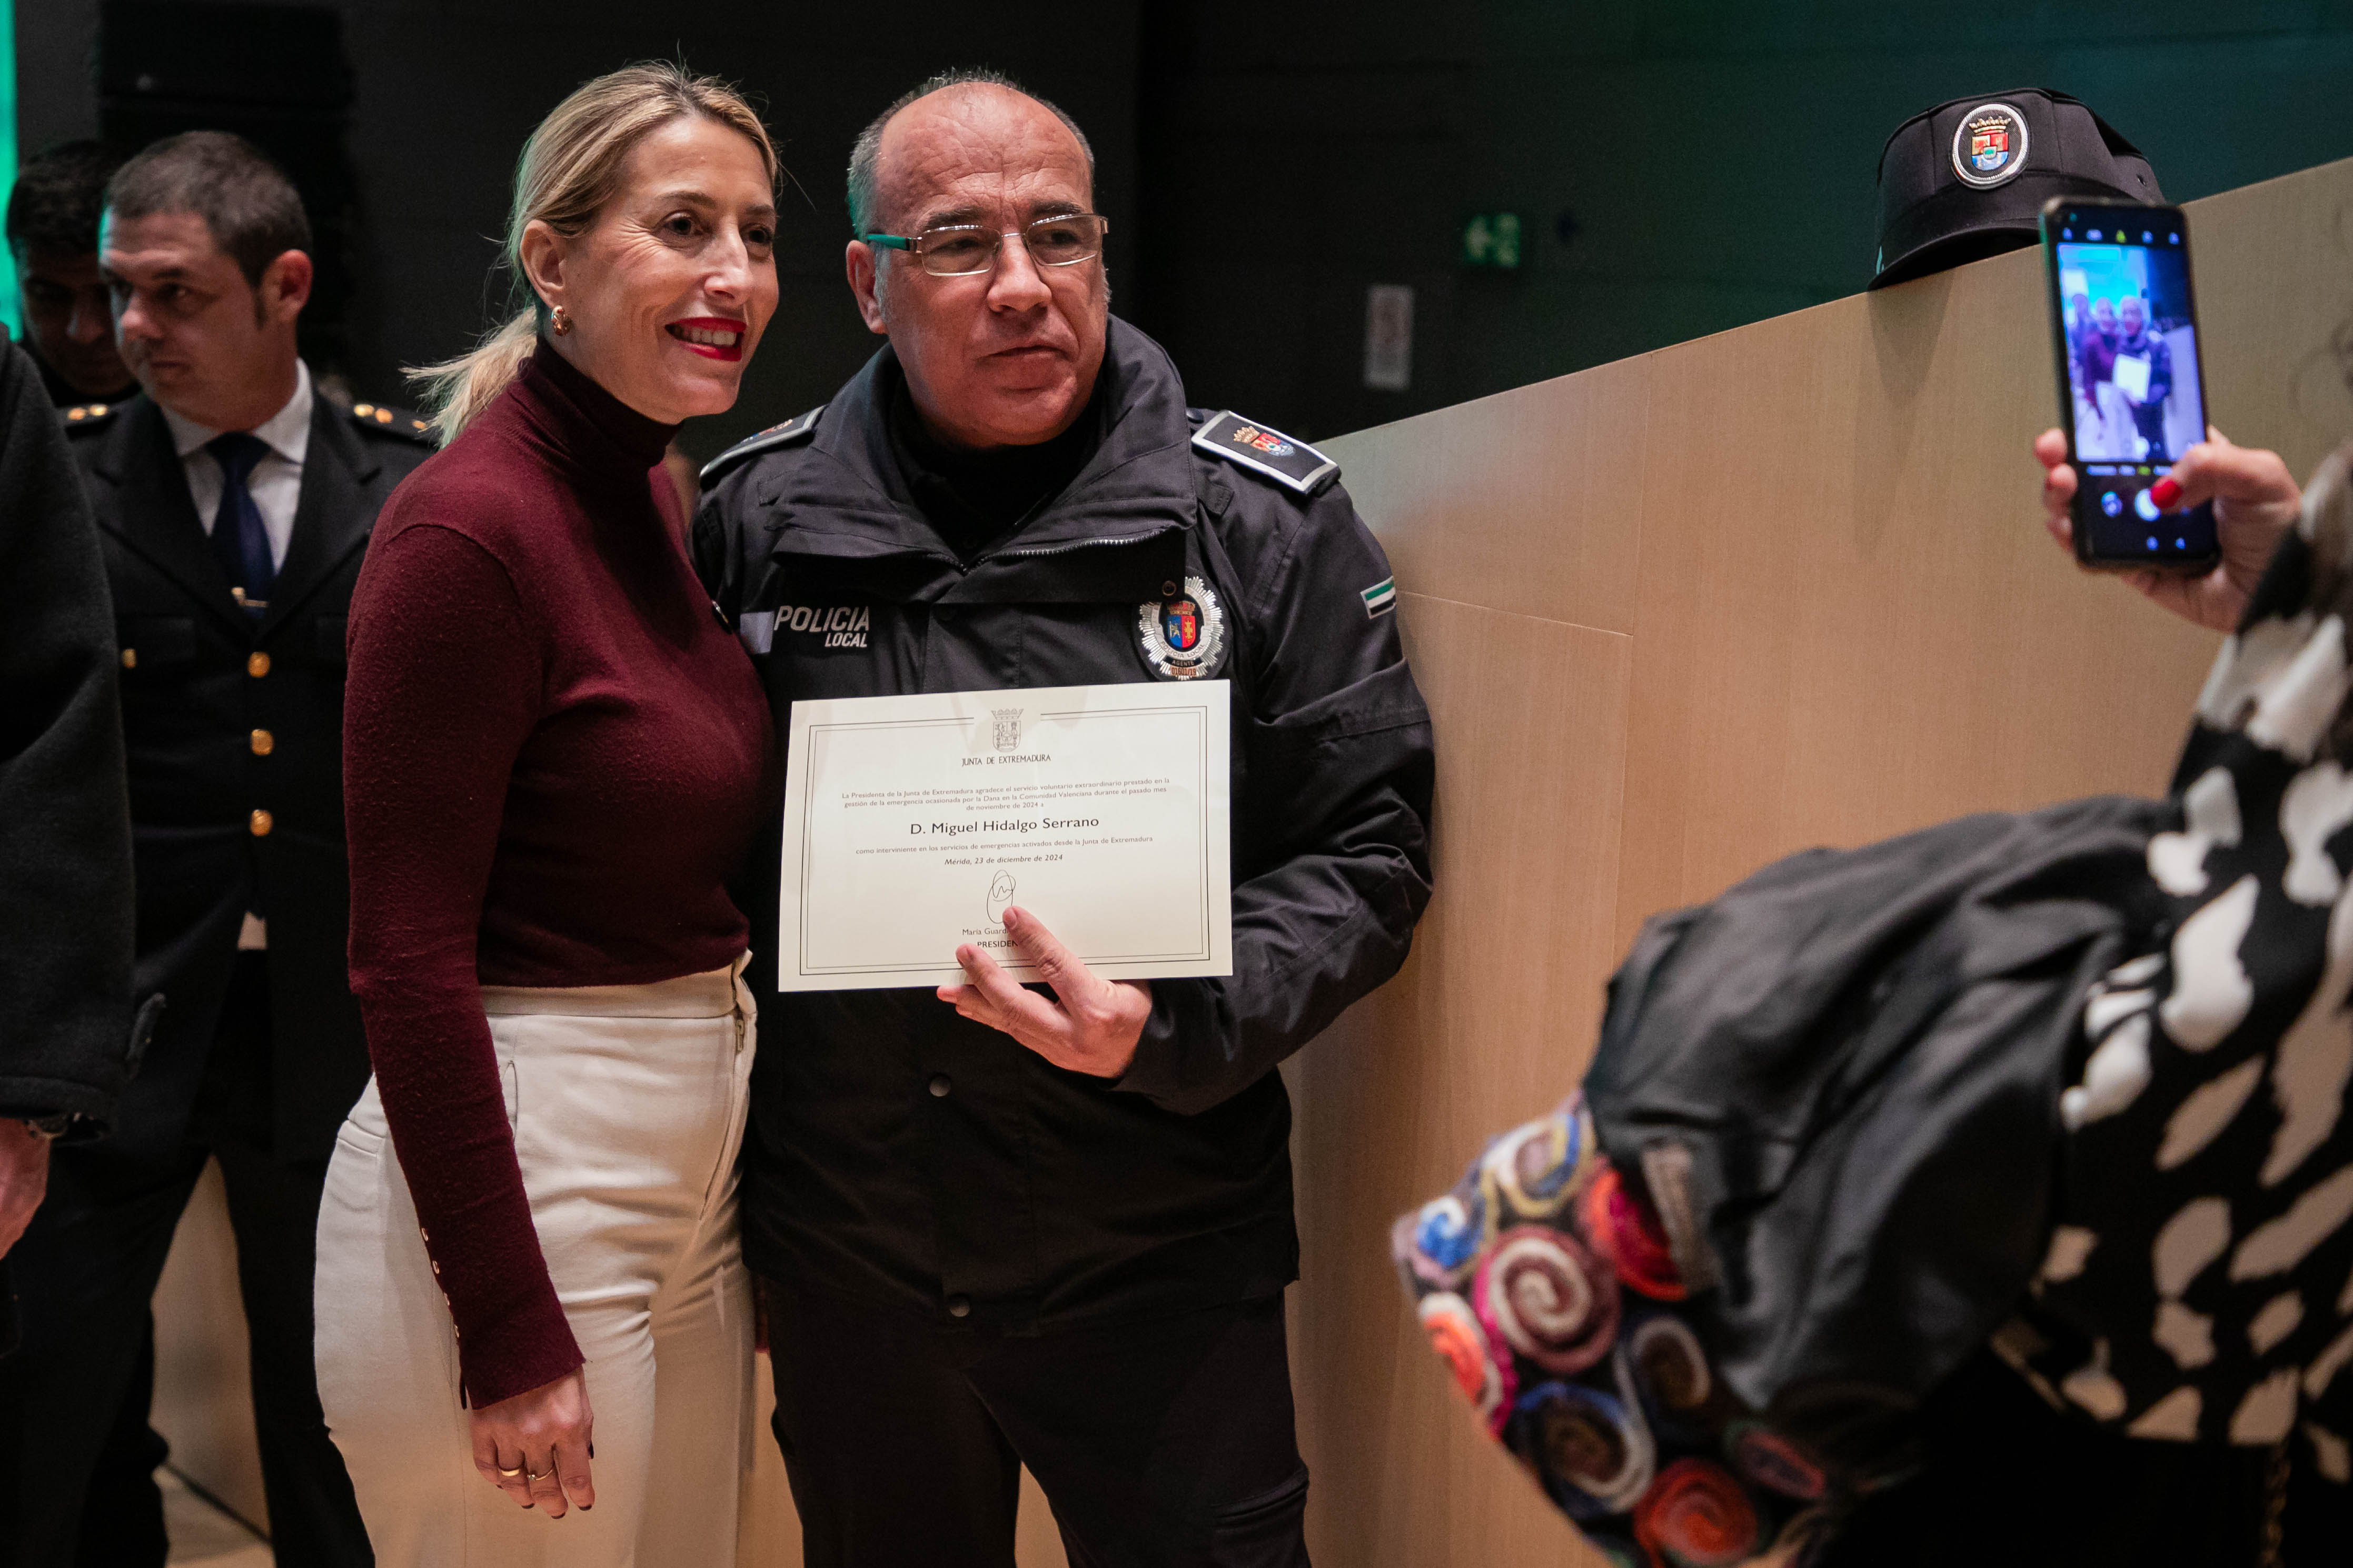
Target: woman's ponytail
<point>457,389</point>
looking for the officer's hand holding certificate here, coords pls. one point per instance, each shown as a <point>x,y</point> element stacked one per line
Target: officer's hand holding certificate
<point>911,824</point>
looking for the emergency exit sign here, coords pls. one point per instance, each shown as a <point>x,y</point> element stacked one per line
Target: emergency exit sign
<point>1492,240</point>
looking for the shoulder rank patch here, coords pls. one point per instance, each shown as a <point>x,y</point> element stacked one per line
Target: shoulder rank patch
<point>798,429</point>
<point>84,415</point>
<point>387,420</point>
<point>1270,452</point>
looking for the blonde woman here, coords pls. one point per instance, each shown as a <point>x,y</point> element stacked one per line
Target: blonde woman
<point>529,1297</point>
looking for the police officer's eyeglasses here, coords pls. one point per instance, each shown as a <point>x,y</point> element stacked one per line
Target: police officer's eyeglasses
<point>962,249</point>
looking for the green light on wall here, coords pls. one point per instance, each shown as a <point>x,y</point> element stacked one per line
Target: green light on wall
<point>1491,240</point>
<point>9,312</point>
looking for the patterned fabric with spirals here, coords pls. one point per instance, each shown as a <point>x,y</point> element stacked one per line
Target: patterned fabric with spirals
<point>1550,1293</point>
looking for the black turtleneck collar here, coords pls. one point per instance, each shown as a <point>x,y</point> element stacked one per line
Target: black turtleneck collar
<point>846,492</point>
<point>583,422</point>
<point>972,498</point>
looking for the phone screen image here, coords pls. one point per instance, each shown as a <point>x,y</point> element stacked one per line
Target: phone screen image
<point>2128,338</point>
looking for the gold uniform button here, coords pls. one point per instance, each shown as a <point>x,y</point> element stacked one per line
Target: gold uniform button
<point>131,658</point>
<point>260,822</point>
<point>257,665</point>
<point>264,743</point>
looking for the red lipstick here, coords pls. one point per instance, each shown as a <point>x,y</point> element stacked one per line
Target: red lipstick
<point>713,337</point>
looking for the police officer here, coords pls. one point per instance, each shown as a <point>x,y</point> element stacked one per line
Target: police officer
<point>998,1226</point>
<point>234,503</point>
<point>53,240</point>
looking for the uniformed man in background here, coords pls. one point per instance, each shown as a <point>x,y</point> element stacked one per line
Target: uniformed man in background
<point>53,241</point>
<point>234,503</point>
<point>995,1227</point>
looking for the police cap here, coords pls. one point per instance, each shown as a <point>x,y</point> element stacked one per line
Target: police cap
<point>1968,178</point>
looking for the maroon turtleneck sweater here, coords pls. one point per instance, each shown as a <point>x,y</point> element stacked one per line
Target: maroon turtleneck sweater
<point>553,754</point>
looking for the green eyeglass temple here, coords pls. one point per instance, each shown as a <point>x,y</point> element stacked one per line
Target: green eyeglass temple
<point>890,241</point>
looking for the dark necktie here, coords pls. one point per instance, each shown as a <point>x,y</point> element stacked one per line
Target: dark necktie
<point>239,539</point>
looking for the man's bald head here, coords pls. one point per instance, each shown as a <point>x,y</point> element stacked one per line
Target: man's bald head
<point>976,97</point>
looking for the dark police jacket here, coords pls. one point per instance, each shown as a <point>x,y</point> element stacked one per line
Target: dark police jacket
<point>903,1154</point>
<point>235,734</point>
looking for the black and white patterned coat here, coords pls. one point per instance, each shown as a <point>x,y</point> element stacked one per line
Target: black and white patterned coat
<point>2199,1279</point>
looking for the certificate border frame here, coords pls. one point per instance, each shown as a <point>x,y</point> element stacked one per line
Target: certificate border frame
<point>1207,950</point>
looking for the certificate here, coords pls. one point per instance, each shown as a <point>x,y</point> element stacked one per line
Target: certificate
<point>911,822</point>
<point>2131,372</point>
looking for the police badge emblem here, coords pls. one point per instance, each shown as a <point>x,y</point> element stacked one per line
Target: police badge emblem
<point>1989,146</point>
<point>1183,634</point>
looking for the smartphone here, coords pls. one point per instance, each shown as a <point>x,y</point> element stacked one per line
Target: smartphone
<point>2132,398</point>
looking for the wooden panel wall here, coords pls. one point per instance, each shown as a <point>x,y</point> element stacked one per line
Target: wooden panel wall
<point>1678,617</point>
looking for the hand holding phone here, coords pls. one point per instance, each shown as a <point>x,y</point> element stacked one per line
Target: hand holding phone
<point>2255,500</point>
<point>2131,392</point>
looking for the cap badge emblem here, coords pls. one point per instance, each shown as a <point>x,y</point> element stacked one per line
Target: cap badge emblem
<point>1989,146</point>
<point>1183,633</point>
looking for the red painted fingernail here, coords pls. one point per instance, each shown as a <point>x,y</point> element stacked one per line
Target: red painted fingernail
<point>2164,492</point>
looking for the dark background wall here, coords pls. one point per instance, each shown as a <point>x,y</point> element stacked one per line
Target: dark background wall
<point>446,90</point>
<point>1680,167</point>
<point>1716,162</point>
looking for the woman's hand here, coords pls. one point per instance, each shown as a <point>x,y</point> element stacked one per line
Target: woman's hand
<point>24,1178</point>
<point>2255,503</point>
<point>535,1446</point>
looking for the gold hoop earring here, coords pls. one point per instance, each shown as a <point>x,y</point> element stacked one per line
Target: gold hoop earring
<point>560,322</point>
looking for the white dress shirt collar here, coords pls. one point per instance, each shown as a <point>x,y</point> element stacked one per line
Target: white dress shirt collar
<point>275,482</point>
<point>285,432</point>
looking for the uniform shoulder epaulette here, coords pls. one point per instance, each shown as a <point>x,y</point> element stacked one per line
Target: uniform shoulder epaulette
<point>385,419</point>
<point>1253,445</point>
<point>88,415</point>
<point>799,428</point>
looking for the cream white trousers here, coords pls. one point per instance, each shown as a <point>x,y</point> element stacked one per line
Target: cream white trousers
<point>627,1107</point>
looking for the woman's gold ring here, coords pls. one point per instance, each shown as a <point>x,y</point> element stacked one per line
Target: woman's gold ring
<point>539,1475</point>
<point>511,1474</point>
